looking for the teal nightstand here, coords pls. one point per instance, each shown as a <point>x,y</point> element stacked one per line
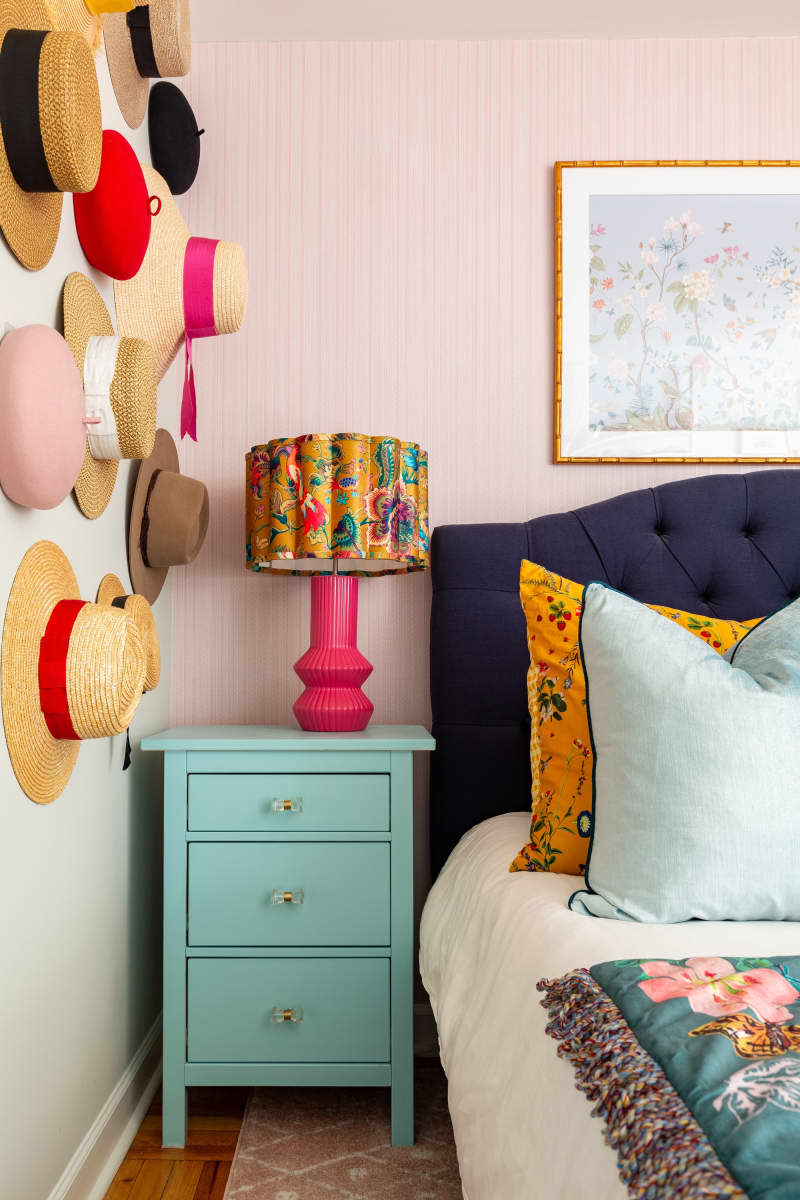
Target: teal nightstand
<point>288,911</point>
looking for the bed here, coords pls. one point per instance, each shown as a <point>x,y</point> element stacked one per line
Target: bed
<point>724,545</point>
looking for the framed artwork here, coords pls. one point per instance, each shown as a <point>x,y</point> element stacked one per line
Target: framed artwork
<point>677,322</point>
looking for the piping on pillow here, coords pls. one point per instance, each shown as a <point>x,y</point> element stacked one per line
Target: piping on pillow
<point>560,748</point>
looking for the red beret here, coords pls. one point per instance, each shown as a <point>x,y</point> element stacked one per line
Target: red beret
<point>113,220</point>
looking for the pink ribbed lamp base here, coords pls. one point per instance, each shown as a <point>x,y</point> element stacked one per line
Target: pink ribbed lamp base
<point>333,668</point>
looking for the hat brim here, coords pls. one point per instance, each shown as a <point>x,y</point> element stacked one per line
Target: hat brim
<point>85,316</point>
<point>42,763</point>
<point>150,305</point>
<point>130,88</point>
<point>148,581</point>
<point>30,220</point>
<point>74,15</point>
<point>110,587</point>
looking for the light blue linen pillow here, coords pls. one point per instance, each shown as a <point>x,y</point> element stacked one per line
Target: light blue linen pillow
<point>696,780</point>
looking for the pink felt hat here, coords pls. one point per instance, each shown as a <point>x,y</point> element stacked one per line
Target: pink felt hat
<point>42,406</point>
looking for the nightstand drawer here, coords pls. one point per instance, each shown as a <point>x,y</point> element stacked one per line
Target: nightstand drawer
<point>344,1003</point>
<point>289,894</point>
<point>289,803</point>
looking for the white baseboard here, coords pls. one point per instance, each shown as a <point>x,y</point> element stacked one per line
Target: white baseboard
<point>426,1036</point>
<point>94,1164</point>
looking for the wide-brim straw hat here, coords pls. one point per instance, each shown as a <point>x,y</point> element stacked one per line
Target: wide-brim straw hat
<point>70,127</point>
<point>171,34</point>
<point>111,591</point>
<point>133,394</point>
<point>169,519</point>
<point>103,673</point>
<point>150,305</point>
<point>86,16</point>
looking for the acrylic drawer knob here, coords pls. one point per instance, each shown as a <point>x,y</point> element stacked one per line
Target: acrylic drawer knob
<point>295,897</point>
<point>279,1015</point>
<point>295,805</point>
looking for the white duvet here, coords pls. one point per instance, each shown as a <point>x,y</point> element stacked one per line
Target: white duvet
<point>522,1129</point>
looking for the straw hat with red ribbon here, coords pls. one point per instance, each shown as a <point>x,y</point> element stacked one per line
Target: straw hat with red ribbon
<point>50,125</point>
<point>71,670</point>
<point>187,288</point>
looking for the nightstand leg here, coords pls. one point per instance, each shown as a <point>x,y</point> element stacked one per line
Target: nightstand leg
<point>402,884</point>
<point>173,1102</point>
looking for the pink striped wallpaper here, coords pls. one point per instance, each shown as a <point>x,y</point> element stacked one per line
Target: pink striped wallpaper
<point>394,199</point>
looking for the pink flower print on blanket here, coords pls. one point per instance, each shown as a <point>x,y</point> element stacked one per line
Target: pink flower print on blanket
<point>712,986</point>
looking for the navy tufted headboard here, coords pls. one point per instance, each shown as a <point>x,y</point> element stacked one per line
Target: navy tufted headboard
<point>723,545</point>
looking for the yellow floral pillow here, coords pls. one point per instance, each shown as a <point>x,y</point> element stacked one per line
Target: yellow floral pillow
<point>561,752</point>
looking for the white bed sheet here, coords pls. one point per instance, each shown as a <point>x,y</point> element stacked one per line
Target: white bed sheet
<point>522,1129</point>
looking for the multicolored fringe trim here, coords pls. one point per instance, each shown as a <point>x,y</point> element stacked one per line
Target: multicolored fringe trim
<point>662,1152</point>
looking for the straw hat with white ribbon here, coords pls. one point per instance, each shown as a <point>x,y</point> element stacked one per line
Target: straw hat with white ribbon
<point>112,592</point>
<point>153,41</point>
<point>50,125</point>
<point>119,379</point>
<point>70,670</point>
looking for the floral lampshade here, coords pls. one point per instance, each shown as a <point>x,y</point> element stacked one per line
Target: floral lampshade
<point>342,496</point>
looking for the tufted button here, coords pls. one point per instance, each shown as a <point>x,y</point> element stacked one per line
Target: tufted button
<point>748,533</point>
<point>660,530</point>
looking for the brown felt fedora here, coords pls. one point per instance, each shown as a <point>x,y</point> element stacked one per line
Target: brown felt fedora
<point>169,519</point>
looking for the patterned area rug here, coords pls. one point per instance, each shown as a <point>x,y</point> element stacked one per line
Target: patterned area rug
<point>335,1144</point>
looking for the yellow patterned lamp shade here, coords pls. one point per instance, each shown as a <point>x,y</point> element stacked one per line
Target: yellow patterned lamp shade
<point>340,501</point>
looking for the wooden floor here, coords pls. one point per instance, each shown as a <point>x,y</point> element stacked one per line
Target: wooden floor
<point>198,1171</point>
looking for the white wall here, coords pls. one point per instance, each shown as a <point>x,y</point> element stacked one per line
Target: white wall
<point>80,879</point>
<point>282,20</point>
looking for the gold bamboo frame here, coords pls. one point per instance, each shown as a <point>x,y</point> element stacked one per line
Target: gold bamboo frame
<point>558,170</point>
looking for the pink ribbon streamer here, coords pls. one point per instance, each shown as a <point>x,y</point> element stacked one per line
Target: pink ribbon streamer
<point>198,314</point>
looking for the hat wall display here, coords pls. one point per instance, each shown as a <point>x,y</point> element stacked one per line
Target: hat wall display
<point>174,137</point>
<point>111,591</point>
<point>187,288</point>
<point>42,409</point>
<point>70,670</point>
<point>50,125</point>
<point>169,519</point>
<point>119,380</point>
<point>113,219</point>
<point>152,41</point>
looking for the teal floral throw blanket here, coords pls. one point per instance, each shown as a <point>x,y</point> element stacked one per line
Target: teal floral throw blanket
<point>694,1066</point>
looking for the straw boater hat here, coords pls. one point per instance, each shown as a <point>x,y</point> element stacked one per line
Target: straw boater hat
<point>119,379</point>
<point>111,591</point>
<point>186,287</point>
<point>169,519</point>
<point>152,41</point>
<point>50,124</point>
<point>70,670</point>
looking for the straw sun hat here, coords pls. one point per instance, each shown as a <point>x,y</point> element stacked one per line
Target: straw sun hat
<point>152,41</point>
<point>122,387</point>
<point>169,519</point>
<point>185,286</point>
<point>112,592</point>
<point>50,124</point>
<point>70,671</point>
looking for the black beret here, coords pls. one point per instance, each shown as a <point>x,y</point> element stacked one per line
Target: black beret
<point>174,137</point>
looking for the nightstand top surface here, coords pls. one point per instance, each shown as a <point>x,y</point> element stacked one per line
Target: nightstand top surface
<point>277,737</point>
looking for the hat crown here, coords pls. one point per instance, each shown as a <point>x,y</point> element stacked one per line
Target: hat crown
<point>230,287</point>
<point>176,520</point>
<point>106,664</point>
<point>134,397</point>
<point>69,112</point>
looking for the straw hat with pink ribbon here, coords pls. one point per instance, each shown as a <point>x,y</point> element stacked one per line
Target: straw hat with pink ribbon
<point>186,288</point>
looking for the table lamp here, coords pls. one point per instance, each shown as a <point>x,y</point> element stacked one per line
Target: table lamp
<point>336,506</point>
